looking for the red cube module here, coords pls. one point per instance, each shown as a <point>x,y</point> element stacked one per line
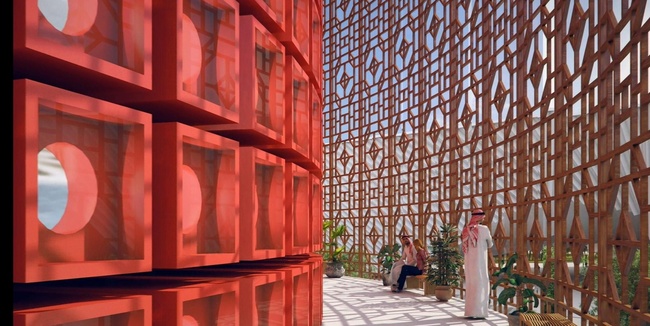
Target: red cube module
<point>82,186</point>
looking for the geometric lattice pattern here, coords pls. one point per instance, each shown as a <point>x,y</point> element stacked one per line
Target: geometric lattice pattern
<point>535,111</point>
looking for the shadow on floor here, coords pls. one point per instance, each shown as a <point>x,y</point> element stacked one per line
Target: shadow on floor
<point>358,301</point>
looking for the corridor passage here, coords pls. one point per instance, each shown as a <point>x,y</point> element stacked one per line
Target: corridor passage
<point>358,301</point>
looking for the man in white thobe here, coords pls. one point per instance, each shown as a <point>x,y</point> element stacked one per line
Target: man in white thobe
<point>476,242</point>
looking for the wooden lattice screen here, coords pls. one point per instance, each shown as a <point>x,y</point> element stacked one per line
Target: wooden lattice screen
<point>536,111</point>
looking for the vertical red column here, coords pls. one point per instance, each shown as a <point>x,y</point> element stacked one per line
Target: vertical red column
<point>262,205</point>
<point>316,311</point>
<point>316,48</point>
<point>316,148</point>
<point>316,213</point>
<point>296,35</point>
<point>297,210</point>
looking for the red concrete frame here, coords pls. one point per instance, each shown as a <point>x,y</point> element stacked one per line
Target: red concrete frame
<point>195,79</point>
<point>316,148</point>
<point>298,281</point>
<point>214,161</point>
<point>142,80</point>
<point>264,290</point>
<point>296,37</point>
<point>314,265</point>
<point>174,297</point>
<point>262,113</point>
<point>81,56</point>
<point>296,118</point>
<point>316,213</point>
<point>52,308</point>
<point>316,311</point>
<point>316,48</point>
<point>271,13</point>
<point>123,217</point>
<point>196,301</point>
<point>262,218</point>
<point>297,220</point>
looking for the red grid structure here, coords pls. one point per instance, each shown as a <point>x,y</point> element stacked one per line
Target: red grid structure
<point>166,90</point>
<point>297,207</point>
<point>196,198</point>
<point>82,186</point>
<point>262,88</point>
<point>46,307</point>
<point>296,115</point>
<point>100,44</point>
<point>262,200</point>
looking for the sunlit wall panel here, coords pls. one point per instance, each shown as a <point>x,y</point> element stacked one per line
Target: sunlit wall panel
<point>536,112</point>
<point>82,186</point>
<point>196,197</point>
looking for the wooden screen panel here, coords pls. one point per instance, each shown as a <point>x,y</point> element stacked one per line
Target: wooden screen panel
<point>536,112</point>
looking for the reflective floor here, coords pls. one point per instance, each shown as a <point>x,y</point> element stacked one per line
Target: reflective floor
<point>357,301</point>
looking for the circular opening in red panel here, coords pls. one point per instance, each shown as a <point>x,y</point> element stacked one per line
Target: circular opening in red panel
<point>67,188</point>
<point>192,52</point>
<point>71,17</point>
<point>189,321</point>
<point>192,200</point>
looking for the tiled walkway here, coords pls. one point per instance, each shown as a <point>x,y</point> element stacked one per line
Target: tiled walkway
<point>357,301</point>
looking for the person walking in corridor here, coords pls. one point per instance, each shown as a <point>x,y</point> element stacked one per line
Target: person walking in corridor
<point>476,240</point>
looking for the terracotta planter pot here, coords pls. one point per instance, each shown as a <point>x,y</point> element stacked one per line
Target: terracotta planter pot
<point>334,270</point>
<point>443,292</point>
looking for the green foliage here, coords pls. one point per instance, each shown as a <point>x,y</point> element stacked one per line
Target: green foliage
<point>352,263</point>
<point>445,259</point>
<point>333,252</point>
<point>633,278</point>
<point>545,254</point>
<point>388,255</point>
<point>517,284</point>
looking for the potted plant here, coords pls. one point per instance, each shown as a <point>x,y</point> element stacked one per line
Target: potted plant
<point>516,286</point>
<point>445,261</point>
<point>333,253</point>
<point>386,257</point>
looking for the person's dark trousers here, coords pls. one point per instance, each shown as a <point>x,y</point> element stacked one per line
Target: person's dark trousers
<point>406,271</point>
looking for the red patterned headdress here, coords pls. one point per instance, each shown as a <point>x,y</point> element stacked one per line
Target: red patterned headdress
<point>470,231</point>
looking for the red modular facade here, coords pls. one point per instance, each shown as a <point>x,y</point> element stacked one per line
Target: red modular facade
<point>262,88</point>
<point>52,307</point>
<point>196,198</point>
<point>184,299</point>
<point>82,186</point>
<point>102,44</point>
<point>153,136</point>
<point>262,205</point>
<point>315,213</point>
<point>297,208</point>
